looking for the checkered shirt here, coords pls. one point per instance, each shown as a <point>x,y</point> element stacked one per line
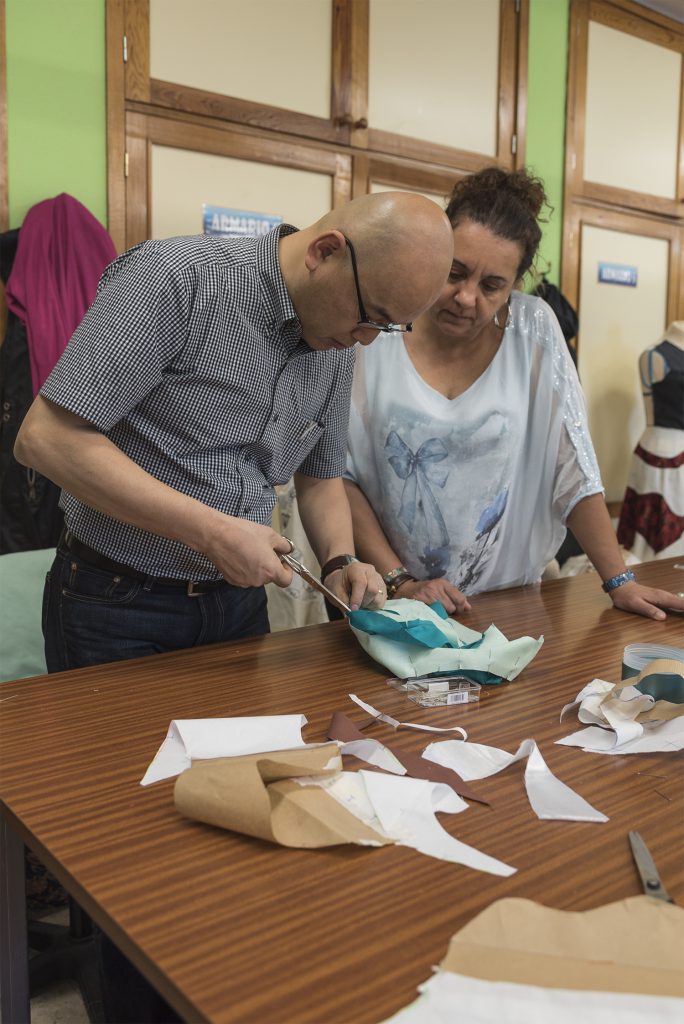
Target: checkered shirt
<point>191,361</point>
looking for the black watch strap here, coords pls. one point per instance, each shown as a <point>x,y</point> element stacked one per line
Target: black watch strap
<point>338,562</point>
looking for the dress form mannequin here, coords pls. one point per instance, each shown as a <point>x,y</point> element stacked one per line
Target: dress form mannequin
<point>652,518</point>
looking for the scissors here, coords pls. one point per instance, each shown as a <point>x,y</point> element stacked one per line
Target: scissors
<point>302,571</point>
<point>650,879</point>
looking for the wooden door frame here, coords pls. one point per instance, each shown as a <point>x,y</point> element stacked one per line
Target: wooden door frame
<point>512,106</point>
<point>641,23</point>
<point>130,90</point>
<point>139,85</point>
<point>146,130</point>
<point>402,174</point>
<point>617,209</point>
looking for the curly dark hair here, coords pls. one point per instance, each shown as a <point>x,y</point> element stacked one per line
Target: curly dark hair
<point>508,203</point>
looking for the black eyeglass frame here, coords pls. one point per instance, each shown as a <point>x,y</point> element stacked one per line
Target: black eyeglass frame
<point>365,320</point>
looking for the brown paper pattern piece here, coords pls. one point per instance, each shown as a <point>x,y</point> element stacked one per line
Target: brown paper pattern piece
<point>633,945</point>
<point>255,795</point>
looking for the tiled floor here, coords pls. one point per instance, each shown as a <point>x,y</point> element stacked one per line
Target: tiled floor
<point>60,1003</point>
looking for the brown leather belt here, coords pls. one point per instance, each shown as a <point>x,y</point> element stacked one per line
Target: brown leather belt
<point>193,588</point>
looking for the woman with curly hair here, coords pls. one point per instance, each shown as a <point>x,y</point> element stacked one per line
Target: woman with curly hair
<point>469,452</point>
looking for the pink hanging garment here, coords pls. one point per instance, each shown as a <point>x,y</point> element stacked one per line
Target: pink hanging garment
<point>61,254</point>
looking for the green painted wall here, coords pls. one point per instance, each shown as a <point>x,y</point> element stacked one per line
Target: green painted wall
<point>546,93</point>
<point>56,103</point>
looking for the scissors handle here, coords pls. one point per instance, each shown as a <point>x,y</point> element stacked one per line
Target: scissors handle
<point>314,582</point>
<point>648,872</point>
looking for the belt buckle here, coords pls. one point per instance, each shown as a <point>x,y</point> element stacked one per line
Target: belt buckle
<point>190,589</point>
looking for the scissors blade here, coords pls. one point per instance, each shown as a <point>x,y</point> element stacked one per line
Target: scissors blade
<point>650,879</point>
<point>314,582</point>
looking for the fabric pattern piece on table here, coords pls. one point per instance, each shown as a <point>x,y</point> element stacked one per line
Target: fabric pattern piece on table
<point>413,639</point>
<point>399,762</point>
<point>523,963</point>
<point>643,715</point>
<point>405,809</point>
<point>550,799</point>
<point>257,795</point>
<point>193,739</point>
<point>301,799</point>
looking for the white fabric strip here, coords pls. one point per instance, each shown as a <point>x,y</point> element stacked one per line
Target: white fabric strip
<point>550,799</point>
<point>404,809</point>
<point>404,725</point>
<point>445,995</point>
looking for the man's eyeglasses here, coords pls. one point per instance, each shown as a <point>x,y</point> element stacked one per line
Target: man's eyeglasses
<point>364,319</point>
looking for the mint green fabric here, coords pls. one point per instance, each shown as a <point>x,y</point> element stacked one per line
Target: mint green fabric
<point>22,576</point>
<point>414,639</point>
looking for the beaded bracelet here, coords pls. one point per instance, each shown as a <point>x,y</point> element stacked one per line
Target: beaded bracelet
<point>394,579</point>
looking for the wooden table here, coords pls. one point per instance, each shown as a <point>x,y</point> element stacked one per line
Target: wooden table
<point>229,928</point>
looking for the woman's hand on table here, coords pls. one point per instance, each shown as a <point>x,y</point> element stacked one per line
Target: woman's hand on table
<point>646,601</point>
<point>359,585</point>
<point>429,591</point>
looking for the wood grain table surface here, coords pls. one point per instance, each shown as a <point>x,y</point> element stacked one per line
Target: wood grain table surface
<point>230,928</point>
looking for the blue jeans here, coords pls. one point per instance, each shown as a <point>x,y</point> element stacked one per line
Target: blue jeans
<point>91,616</point>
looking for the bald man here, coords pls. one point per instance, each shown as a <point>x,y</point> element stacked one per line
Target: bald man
<point>207,371</point>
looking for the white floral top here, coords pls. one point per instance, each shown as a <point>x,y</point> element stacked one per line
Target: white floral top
<point>475,488</point>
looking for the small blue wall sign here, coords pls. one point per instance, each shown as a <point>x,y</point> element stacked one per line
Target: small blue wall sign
<point>219,220</point>
<point>617,273</point>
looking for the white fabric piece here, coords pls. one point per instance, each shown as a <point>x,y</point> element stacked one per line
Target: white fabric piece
<point>595,690</point>
<point>388,720</point>
<point>550,799</point>
<point>191,739</point>
<point>475,488</point>
<point>612,719</point>
<point>404,809</point>
<point>598,707</point>
<point>373,752</point>
<point>444,997</point>
<point>349,790</point>
<point>656,736</point>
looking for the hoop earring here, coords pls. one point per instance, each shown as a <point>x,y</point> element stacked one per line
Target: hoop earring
<point>508,316</point>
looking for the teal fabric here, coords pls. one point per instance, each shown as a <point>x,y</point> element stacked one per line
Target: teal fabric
<point>418,631</point>
<point>663,686</point>
<point>413,639</point>
<point>22,575</point>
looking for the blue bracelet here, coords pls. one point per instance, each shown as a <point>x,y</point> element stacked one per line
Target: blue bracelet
<point>617,581</point>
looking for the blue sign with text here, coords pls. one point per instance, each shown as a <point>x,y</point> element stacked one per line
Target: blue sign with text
<point>219,220</point>
<point>617,273</point>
